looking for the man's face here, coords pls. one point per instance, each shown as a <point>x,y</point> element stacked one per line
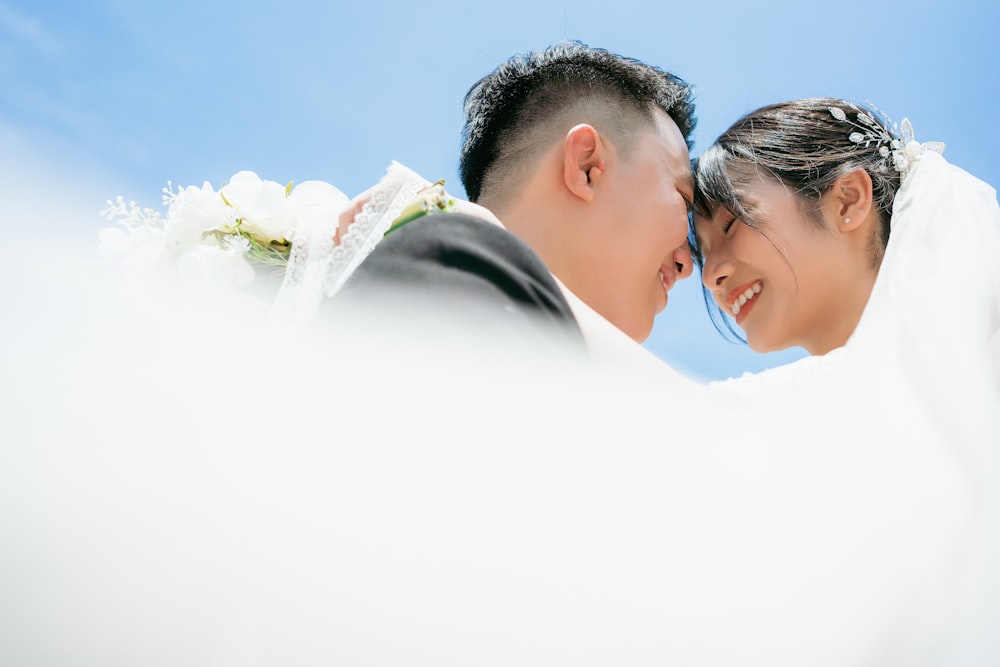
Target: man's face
<point>637,237</point>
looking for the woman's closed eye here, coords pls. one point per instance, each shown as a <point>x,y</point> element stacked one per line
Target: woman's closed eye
<point>726,226</point>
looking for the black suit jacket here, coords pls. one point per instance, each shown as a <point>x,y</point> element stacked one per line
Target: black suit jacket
<point>478,275</point>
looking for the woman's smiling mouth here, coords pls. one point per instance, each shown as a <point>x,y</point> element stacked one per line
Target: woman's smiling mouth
<point>739,300</point>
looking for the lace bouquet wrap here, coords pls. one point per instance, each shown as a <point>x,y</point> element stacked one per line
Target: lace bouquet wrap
<point>318,267</point>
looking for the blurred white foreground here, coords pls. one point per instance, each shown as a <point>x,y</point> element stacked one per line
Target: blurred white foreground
<point>180,485</point>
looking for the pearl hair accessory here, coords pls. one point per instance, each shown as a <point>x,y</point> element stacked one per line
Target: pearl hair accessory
<point>900,154</point>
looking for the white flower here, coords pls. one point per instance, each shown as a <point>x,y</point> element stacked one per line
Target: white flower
<point>236,243</point>
<point>913,150</point>
<point>316,194</point>
<point>214,237</point>
<point>263,206</point>
<point>316,200</point>
<point>194,211</point>
<point>211,265</point>
<point>144,242</point>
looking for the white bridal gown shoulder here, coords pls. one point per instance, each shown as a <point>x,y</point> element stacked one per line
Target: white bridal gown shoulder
<point>178,485</point>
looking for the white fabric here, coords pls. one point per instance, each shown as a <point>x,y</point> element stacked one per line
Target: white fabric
<point>921,374</point>
<point>180,485</point>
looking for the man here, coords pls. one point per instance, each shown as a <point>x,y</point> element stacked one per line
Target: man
<point>582,155</point>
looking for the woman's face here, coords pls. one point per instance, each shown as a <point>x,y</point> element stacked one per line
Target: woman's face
<point>781,282</point>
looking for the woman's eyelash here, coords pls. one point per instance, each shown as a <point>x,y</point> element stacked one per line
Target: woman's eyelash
<point>726,227</point>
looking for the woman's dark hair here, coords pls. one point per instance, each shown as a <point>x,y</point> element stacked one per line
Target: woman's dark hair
<point>806,145</point>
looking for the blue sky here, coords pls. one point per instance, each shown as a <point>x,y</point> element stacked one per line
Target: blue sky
<point>105,98</point>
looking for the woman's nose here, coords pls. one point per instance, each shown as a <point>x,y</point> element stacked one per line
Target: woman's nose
<point>715,272</point>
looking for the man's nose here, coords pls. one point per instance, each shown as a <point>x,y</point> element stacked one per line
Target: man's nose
<point>683,261</point>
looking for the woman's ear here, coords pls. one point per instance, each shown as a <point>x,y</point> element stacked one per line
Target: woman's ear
<point>583,161</point>
<point>849,200</point>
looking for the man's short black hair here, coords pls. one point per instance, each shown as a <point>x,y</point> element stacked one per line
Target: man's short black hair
<point>505,109</point>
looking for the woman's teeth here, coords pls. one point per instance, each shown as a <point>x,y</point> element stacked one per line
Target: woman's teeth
<point>745,296</point>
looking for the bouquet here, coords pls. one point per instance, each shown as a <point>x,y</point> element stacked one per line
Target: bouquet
<point>220,236</point>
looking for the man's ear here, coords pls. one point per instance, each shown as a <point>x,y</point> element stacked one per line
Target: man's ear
<point>849,201</point>
<point>583,161</point>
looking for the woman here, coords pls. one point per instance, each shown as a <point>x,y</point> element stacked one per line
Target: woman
<point>816,224</point>
<point>792,215</point>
